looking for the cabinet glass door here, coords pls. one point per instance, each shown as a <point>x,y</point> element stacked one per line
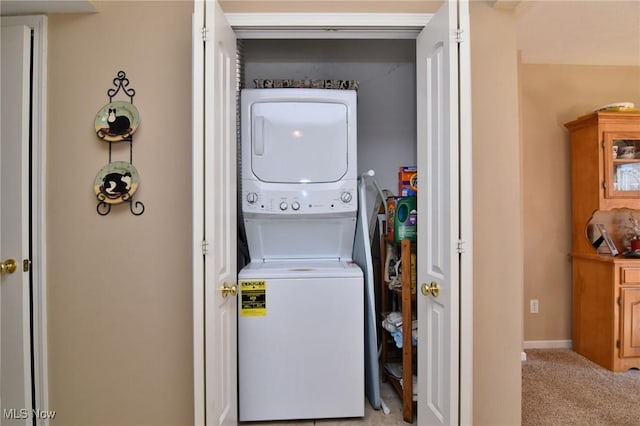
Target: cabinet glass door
<point>622,165</point>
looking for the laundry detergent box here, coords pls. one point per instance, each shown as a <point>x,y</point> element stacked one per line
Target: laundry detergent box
<point>405,222</point>
<point>391,214</point>
<point>408,181</point>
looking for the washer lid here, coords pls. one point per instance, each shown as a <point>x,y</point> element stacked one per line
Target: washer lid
<point>300,269</point>
<point>299,141</point>
<point>300,237</point>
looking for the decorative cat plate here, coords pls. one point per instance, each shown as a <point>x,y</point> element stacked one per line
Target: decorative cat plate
<point>116,182</point>
<point>117,121</point>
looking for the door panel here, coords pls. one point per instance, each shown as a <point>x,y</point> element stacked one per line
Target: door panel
<point>438,216</point>
<point>630,322</point>
<point>214,216</point>
<point>15,337</point>
<point>220,221</point>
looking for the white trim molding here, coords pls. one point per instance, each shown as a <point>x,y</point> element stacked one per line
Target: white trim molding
<point>544,344</point>
<point>319,26</point>
<point>383,20</point>
<point>197,146</point>
<point>327,25</point>
<point>547,344</point>
<point>39,28</point>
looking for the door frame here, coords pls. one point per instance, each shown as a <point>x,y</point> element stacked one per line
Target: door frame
<point>39,30</point>
<point>395,26</point>
<point>328,25</point>
<point>387,26</point>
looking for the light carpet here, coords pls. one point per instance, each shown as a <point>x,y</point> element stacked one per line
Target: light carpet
<point>560,387</point>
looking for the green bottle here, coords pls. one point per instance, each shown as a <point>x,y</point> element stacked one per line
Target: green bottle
<point>405,223</point>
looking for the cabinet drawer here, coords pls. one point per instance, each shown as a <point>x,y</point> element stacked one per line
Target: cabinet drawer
<point>630,275</point>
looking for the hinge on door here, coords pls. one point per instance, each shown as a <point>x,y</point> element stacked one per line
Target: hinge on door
<point>205,247</point>
<point>203,32</point>
<point>459,32</point>
<point>460,247</point>
<point>604,185</point>
<point>26,265</point>
<point>618,344</point>
<point>620,301</point>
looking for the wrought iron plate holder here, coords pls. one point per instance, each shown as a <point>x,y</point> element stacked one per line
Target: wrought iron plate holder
<point>121,82</point>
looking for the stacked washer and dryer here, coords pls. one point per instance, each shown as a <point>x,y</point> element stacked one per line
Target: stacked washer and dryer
<point>300,307</point>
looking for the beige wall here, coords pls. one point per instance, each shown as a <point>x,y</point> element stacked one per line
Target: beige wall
<point>551,96</point>
<point>120,343</point>
<point>119,286</point>
<point>497,262</point>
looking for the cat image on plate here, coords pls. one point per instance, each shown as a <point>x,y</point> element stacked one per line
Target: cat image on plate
<point>116,184</point>
<point>118,124</point>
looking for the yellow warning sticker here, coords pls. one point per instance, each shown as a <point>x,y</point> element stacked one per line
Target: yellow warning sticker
<point>253,298</point>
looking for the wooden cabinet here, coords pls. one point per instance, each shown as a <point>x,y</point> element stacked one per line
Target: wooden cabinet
<point>594,170</point>
<point>605,176</point>
<point>606,310</point>
<point>405,300</point>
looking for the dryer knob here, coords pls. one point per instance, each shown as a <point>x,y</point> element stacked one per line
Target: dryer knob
<point>283,205</point>
<point>345,197</point>
<point>252,197</point>
<point>295,205</point>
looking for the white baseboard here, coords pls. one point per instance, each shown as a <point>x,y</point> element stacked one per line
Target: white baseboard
<point>547,344</point>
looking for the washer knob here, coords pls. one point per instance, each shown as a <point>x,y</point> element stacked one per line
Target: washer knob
<point>283,205</point>
<point>345,197</point>
<point>295,205</point>
<point>252,197</point>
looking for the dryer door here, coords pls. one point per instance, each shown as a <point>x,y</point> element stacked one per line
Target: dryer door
<point>299,141</point>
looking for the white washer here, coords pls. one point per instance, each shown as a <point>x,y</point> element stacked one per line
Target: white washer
<point>300,340</point>
<point>301,314</point>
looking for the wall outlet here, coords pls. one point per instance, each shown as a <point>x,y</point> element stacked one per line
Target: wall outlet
<point>533,306</point>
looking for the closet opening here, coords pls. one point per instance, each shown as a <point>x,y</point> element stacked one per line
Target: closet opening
<point>385,70</point>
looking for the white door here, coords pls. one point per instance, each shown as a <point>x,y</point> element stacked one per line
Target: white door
<point>215,271</point>
<point>439,216</point>
<point>15,327</point>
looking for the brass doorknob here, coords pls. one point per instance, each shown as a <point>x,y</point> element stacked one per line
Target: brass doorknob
<point>9,266</point>
<point>229,290</point>
<point>424,288</point>
<point>432,289</point>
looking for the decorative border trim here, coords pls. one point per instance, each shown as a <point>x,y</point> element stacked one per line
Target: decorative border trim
<point>343,20</point>
<point>328,25</point>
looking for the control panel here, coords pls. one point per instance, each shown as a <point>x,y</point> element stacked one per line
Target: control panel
<point>299,199</point>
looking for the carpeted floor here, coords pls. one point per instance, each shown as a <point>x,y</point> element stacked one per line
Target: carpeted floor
<point>560,387</point>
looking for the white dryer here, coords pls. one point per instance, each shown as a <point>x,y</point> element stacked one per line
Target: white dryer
<point>301,320</point>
